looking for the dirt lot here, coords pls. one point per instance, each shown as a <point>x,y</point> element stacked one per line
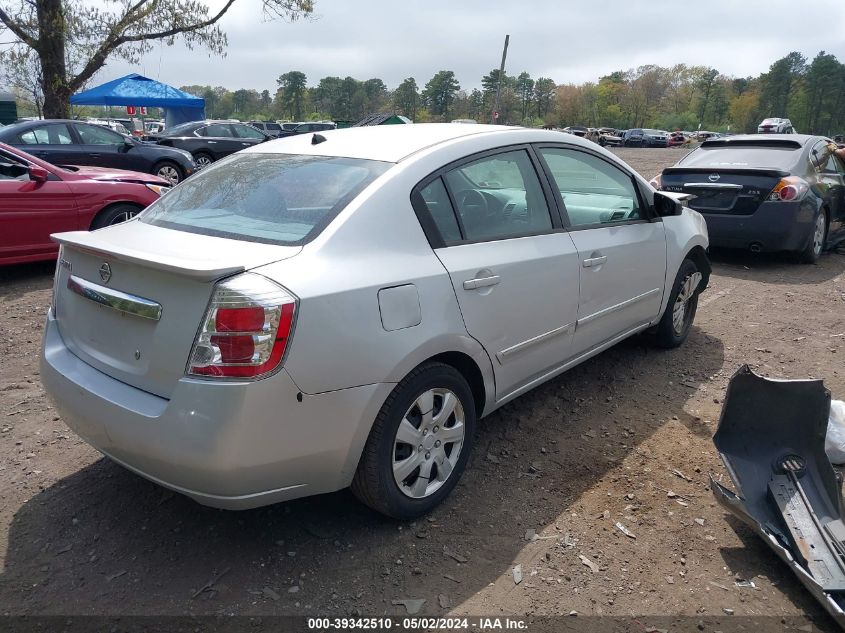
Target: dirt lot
<point>600,444</point>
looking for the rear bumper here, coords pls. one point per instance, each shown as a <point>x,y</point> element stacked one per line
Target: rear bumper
<point>232,445</point>
<point>774,226</point>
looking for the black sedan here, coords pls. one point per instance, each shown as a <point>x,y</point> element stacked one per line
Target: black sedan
<point>765,192</point>
<point>208,141</point>
<point>65,142</point>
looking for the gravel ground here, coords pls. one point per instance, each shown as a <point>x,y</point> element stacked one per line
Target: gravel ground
<point>551,475</point>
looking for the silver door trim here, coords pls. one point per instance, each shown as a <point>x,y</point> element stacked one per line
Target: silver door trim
<point>567,365</point>
<point>514,349</point>
<point>115,299</point>
<point>614,308</point>
<point>594,261</point>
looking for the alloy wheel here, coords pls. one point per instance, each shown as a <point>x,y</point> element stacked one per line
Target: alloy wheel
<point>428,443</point>
<point>203,161</point>
<point>680,311</point>
<point>169,173</point>
<point>122,217</point>
<point>818,235</point>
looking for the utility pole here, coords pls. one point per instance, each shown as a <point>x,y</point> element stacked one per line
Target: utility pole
<point>501,77</point>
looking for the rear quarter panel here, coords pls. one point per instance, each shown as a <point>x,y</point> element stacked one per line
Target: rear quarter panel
<point>92,197</point>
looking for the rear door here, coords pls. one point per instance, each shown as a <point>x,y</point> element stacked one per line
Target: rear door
<point>248,135</point>
<point>53,142</point>
<point>621,249</point>
<point>514,271</point>
<point>31,211</point>
<point>829,181</point>
<point>220,139</point>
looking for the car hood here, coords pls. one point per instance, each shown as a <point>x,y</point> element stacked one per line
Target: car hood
<point>114,175</point>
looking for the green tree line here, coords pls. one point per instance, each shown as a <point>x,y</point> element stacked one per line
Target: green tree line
<point>809,92</point>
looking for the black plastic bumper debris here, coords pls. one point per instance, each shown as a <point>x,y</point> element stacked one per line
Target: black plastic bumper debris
<point>771,439</point>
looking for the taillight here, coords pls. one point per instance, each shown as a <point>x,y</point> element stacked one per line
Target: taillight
<point>656,182</point>
<point>789,189</point>
<point>245,331</point>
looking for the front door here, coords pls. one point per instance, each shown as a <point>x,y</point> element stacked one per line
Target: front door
<point>31,211</point>
<point>621,250</point>
<point>514,271</point>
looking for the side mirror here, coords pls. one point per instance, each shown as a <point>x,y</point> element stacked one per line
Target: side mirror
<point>38,174</point>
<point>667,206</point>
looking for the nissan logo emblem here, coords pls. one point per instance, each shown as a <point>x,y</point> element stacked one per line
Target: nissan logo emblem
<point>105,272</point>
<point>713,177</point>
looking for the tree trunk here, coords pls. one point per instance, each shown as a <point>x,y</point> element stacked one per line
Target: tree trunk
<point>51,53</point>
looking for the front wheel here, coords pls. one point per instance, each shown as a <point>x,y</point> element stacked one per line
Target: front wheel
<point>419,444</point>
<point>169,171</point>
<point>114,214</point>
<point>675,325</point>
<point>203,160</point>
<point>813,250</point>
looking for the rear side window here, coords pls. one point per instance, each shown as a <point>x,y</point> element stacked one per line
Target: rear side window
<point>440,209</point>
<point>285,199</point>
<point>53,134</point>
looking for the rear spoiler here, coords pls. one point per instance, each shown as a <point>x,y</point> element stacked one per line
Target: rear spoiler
<point>200,269</point>
<point>740,171</point>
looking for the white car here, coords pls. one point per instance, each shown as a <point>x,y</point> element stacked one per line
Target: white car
<point>339,308</point>
<point>775,126</point>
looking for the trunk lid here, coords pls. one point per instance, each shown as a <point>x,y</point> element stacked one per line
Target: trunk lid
<point>130,298</point>
<point>732,191</point>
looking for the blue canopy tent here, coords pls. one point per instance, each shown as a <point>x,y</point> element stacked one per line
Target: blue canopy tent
<point>137,90</point>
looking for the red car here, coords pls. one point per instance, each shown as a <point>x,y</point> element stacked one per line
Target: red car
<point>676,139</point>
<point>37,199</point>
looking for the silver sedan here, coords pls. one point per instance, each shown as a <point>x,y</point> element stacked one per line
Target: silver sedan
<point>339,309</point>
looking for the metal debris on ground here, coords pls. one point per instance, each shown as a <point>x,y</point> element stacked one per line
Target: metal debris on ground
<point>625,530</point>
<point>270,593</point>
<point>412,605</point>
<point>443,600</point>
<point>517,574</point>
<point>587,562</point>
<point>210,584</point>
<point>454,555</point>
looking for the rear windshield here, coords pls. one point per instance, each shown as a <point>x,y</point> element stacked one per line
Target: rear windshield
<point>764,156</point>
<point>283,199</point>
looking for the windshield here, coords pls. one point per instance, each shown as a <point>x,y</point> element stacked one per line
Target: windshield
<point>764,156</point>
<point>285,199</point>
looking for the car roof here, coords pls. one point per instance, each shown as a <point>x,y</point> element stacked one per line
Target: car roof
<point>389,143</point>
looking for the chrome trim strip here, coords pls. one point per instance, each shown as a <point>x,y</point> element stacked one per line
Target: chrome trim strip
<point>510,351</point>
<point>115,299</point>
<point>566,365</point>
<point>711,185</point>
<point>618,306</point>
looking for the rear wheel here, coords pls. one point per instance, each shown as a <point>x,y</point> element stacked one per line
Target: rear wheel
<point>419,444</point>
<point>813,250</point>
<point>675,325</point>
<point>203,160</point>
<point>114,214</point>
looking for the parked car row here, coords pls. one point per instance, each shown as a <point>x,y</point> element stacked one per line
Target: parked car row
<point>280,130</point>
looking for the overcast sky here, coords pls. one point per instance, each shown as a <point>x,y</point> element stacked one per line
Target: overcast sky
<point>567,40</point>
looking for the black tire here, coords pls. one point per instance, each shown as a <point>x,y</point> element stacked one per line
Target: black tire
<point>667,335</point>
<point>169,170</point>
<point>374,483</point>
<point>114,214</point>
<point>203,159</point>
<point>814,249</point>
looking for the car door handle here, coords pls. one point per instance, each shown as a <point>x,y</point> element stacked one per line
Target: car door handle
<point>481,282</point>
<point>594,261</point>
<point>211,142</point>
<point>94,155</point>
<point>244,144</point>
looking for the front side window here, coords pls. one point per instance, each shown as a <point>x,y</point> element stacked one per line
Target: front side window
<point>499,197</point>
<point>96,135</point>
<point>51,134</point>
<point>285,199</point>
<point>593,191</point>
